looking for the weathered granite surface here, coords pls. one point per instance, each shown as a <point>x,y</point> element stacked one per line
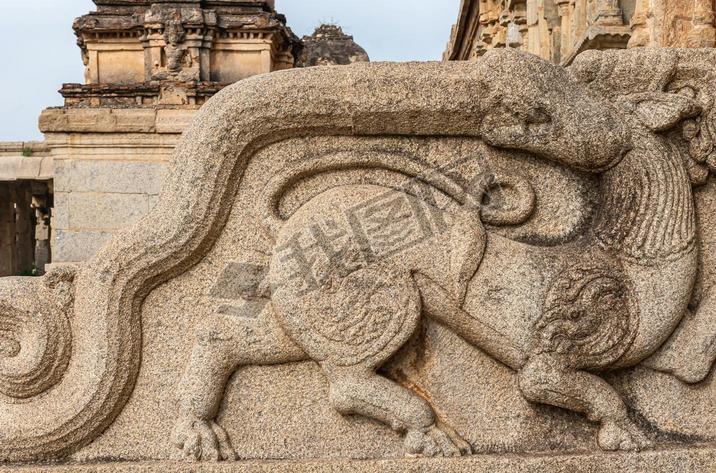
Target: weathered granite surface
<point>505,262</point>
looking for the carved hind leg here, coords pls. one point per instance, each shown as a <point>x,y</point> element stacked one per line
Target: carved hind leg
<point>691,351</point>
<point>223,344</point>
<point>359,390</point>
<point>547,380</point>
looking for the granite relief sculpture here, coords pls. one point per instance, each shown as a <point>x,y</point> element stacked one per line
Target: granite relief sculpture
<point>390,260</point>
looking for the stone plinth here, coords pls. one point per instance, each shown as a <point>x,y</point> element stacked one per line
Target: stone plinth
<point>696,460</point>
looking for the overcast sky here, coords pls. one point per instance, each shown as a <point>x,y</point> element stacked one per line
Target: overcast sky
<point>39,53</point>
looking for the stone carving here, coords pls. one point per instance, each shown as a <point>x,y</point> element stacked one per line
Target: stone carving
<point>35,335</point>
<point>544,216</point>
<point>174,35</point>
<point>175,61</point>
<point>353,311</point>
<point>559,30</point>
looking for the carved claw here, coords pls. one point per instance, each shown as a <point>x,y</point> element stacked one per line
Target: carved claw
<point>202,440</point>
<point>438,440</point>
<point>622,435</point>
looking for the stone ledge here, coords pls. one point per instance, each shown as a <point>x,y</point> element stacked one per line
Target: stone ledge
<point>682,460</point>
<point>120,120</point>
<point>14,168</point>
<point>13,148</point>
<point>600,38</point>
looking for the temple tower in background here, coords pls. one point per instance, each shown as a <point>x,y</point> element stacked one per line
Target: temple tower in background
<point>561,29</point>
<point>149,66</point>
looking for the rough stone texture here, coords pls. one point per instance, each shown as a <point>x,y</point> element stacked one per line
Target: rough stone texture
<point>559,30</point>
<point>71,245</point>
<point>504,258</point>
<point>123,177</point>
<point>675,23</point>
<point>329,45</point>
<point>695,460</point>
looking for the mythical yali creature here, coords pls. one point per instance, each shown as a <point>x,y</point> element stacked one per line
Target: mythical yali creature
<point>621,290</point>
<point>605,301</point>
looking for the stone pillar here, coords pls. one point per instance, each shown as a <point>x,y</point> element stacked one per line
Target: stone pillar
<point>566,7</point>
<point>500,37</point>
<point>7,232</point>
<point>533,27</point>
<point>579,20</point>
<point>205,55</point>
<point>551,30</point>
<point>703,34</point>
<point>24,230</point>
<point>43,255</point>
<point>266,62</point>
<point>92,68</point>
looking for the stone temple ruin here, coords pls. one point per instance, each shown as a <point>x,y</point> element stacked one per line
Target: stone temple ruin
<point>329,45</point>
<point>559,30</point>
<point>149,66</point>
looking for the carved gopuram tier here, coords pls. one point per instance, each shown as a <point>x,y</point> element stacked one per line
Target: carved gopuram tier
<point>132,49</point>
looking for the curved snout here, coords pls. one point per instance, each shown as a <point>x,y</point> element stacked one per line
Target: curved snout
<point>535,106</point>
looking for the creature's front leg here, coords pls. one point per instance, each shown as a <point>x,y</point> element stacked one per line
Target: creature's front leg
<point>223,345</point>
<point>691,351</point>
<point>548,380</point>
<point>196,434</point>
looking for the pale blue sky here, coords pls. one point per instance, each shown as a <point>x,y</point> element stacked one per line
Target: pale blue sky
<point>39,51</point>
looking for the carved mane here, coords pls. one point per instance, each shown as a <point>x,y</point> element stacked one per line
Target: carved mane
<point>647,209</point>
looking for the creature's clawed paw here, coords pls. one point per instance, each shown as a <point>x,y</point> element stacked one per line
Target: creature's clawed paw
<point>622,435</point>
<point>202,440</point>
<point>438,440</point>
<point>695,370</point>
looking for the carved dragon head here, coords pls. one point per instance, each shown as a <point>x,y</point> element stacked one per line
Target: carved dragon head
<point>532,105</point>
<point>666,91</point>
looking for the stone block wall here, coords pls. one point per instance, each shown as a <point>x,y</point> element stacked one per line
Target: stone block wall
<point>107,173</point>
